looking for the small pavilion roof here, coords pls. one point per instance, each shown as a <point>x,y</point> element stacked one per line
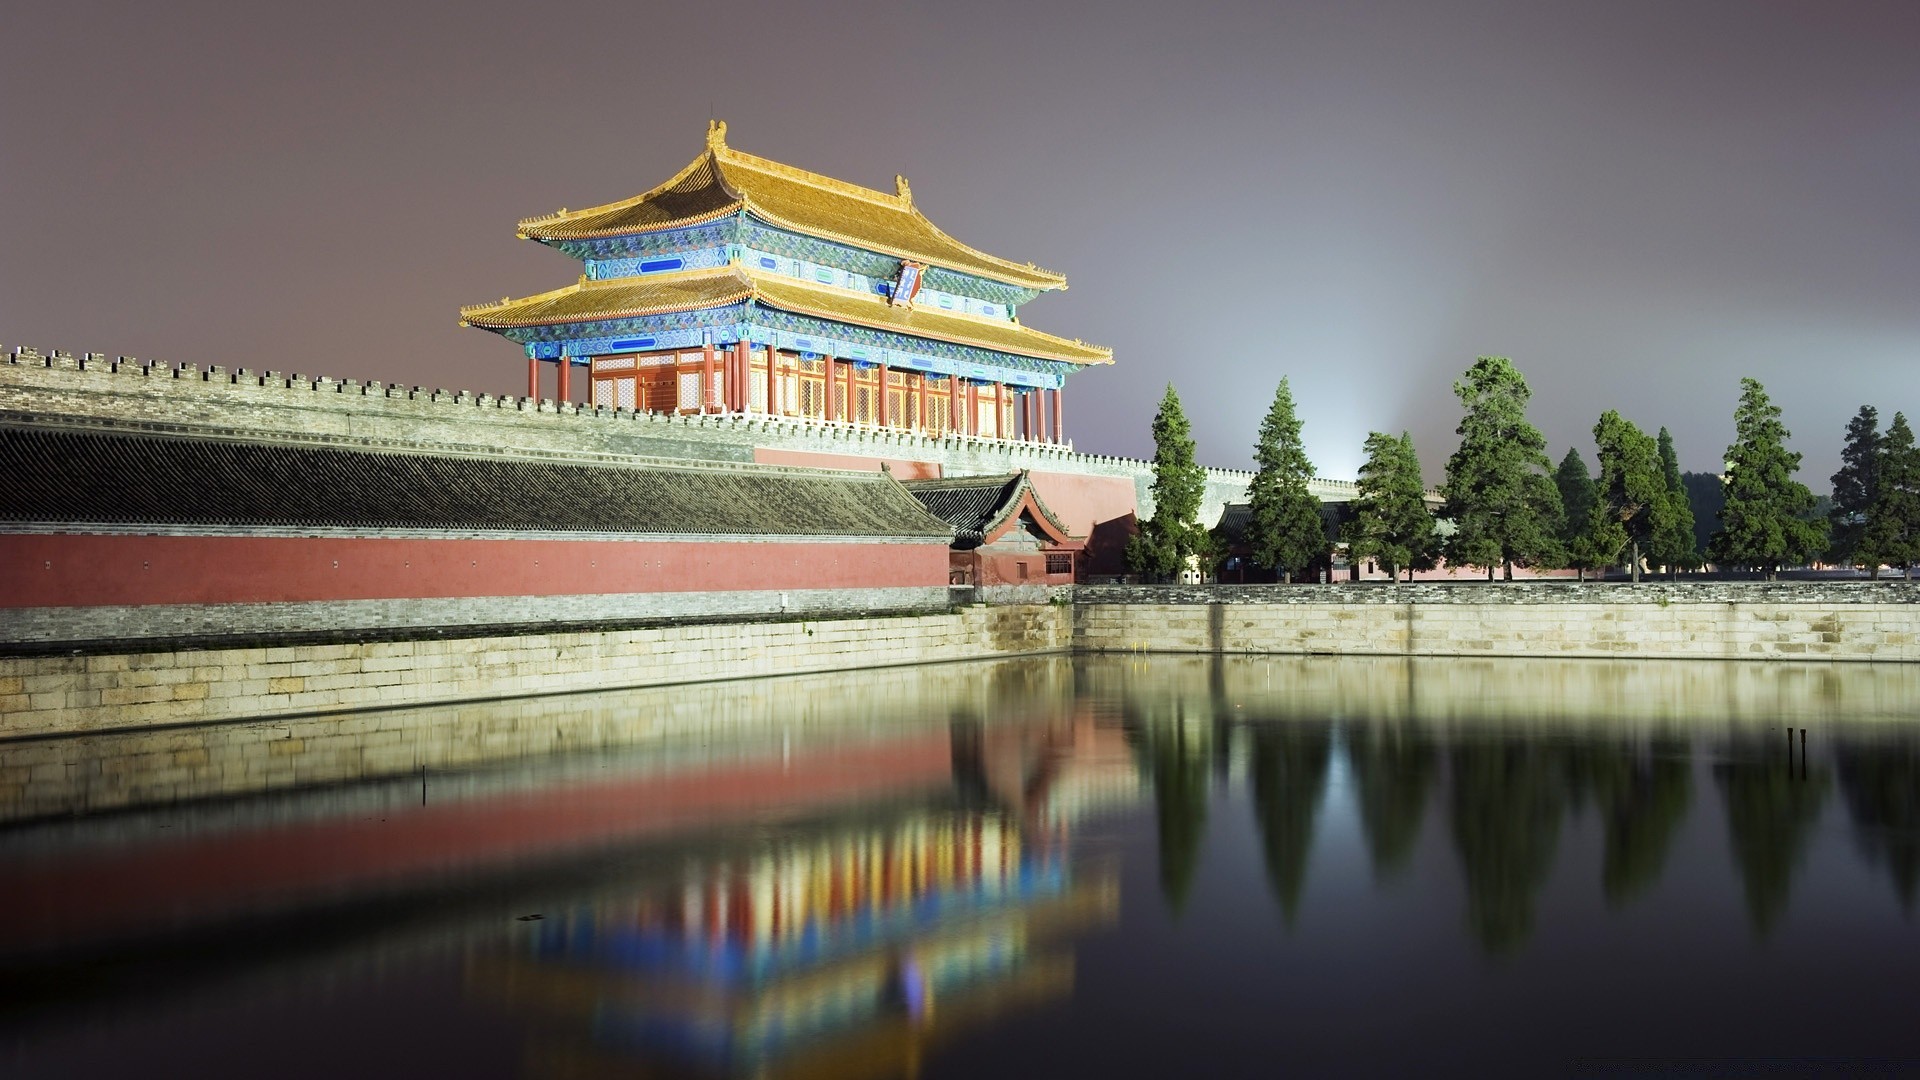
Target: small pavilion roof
<point>982,508</point>
<point>134,479</point>
<point>724,181</point>
<point>632,297</point>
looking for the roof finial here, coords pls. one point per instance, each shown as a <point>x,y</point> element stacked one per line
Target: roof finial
<point>716,134</point>
<point>904,189</point>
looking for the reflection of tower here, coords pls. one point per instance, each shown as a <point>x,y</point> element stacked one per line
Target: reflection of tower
<point>841,954</point>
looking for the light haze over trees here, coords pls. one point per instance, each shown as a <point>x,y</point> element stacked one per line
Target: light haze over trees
<point>1287,531</point>
<point>1499,492</point>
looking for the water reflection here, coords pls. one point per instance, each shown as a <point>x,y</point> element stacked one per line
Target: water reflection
<point>861,875</point>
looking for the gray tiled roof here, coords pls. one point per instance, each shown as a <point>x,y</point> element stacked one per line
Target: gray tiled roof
<point>977,505</point>
<point>70,476</point>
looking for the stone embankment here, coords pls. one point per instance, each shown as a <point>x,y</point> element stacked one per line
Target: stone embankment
<point>1652,620</point>
<point>48,695</point>
<point>1855,621</point>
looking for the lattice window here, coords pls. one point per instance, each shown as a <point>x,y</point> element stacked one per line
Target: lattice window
<point>759,384</point>
<point>602,392</point>
<point>623,397</point>
<point>689,393</point>
<point>612,363</point>
<point>656,361</point>
<point>863,402</point>
<point>790,396</point>
<point>897,408</point>
<point>840,398</point>
<point>1059,563</point>
<point>937,419</point>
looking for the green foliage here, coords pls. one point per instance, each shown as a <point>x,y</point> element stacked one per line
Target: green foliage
<point>1765,523</point>
<point>1855,484</point>
<point>1391,522</point>
<point>1633,488</point>
<point>1165,541</point>
<point>1287,531</point>
<point>1288,765</point>
<point>1587,542</point>
<point>1499,494</point>
<point>1891,534</point>
<point>1672,544</point>
<point>1706,494</point>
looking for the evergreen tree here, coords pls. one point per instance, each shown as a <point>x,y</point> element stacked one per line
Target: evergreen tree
<point>1165,541</point>
<point>1765,523</point>
<point>1499,494</point>
<point>1391,522</point>
<point>1584,551</point>
<point>1892,533</point>
<point>1854,485</point>
<point>1287,531</point>
<point>1673,544</point>
<point>1633,487</point>
<point>1706,495</point>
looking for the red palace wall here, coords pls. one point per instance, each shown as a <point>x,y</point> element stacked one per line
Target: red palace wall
<point>93,570</point>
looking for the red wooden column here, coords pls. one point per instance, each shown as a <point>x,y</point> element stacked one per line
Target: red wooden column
<point>999,410</point>
<point>880,408</point>
<point>1059,432</point>
<point>773,380</point>
<point>973,408</point>
<point>743,361</point>
<point>955,422</point>
<point>917,383</point>
<point>706,377</point>
<point>826,384</point>
<point>565,391</point>
<point>853,395</point>
<point>533,378</point>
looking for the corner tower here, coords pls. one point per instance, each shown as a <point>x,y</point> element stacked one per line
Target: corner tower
<point>745,286</point>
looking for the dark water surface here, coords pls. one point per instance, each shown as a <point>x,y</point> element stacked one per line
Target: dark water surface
<point>1136,867</point>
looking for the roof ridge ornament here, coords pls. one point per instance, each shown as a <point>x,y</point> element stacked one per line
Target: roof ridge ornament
<point>716,134</point>
<point>903,189</point>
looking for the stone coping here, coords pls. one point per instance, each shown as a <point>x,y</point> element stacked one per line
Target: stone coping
<point>1514,592</point>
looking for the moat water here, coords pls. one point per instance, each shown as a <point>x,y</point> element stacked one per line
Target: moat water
<point>1054,867</point>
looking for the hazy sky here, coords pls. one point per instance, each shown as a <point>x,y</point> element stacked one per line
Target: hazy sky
<point>1638,202</point>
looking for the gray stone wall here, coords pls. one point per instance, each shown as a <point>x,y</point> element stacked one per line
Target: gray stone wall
<point>1746,630</point>
<point>1557,591</point>
<point>130,391</point>
<point>47,695</point>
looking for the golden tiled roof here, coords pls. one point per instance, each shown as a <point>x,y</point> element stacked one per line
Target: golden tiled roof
<point>629,297</point>
<point>723,180</point>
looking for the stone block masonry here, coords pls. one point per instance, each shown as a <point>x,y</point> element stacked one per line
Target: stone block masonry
<point>1723,620</point>
<point>49,695</point>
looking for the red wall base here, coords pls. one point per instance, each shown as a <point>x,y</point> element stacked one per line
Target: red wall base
<point>90,570</point>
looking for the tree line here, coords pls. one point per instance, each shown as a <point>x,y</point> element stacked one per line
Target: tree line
<point>1504,504</point>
